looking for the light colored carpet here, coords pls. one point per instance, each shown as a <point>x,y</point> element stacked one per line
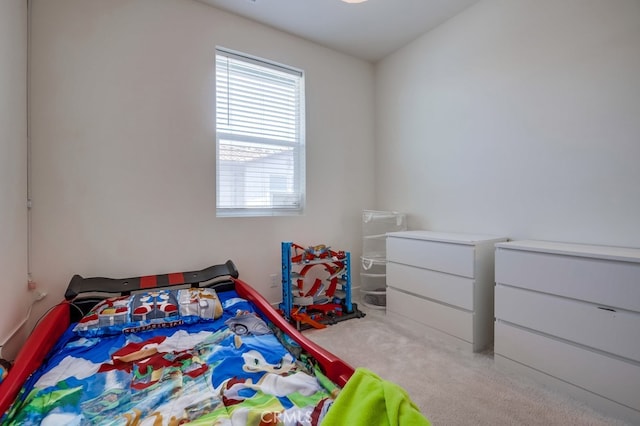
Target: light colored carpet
<point>451,386</point>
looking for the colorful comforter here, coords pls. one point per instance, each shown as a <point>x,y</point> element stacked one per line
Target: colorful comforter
<point>198,374</point>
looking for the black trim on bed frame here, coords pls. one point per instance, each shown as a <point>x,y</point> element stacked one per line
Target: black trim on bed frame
<point>82,291</point>
<point>124,286</point>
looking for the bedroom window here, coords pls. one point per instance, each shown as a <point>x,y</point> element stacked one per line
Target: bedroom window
<point>259,137</point>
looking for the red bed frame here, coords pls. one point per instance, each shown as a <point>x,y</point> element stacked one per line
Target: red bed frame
<point>53,325</point>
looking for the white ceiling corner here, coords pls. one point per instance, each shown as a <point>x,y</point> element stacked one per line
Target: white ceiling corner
<point>369,30</point>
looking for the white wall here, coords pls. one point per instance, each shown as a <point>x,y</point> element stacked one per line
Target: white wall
<point>519,118</point>
<point>124,142</point>
<point>13,166</point>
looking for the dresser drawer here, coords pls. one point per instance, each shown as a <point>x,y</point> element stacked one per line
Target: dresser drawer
<point>451,258</point>
<point>583,323</point>
<point>450,289</point>
<point>609,283</point>
<point>452,321</point>
<point>608,377</point>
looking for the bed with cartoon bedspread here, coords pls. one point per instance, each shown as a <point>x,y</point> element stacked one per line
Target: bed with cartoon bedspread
<point>169,357</point>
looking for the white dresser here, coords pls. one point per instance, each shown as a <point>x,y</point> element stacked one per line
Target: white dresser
<point>443,283</point>
<point>569,315</point>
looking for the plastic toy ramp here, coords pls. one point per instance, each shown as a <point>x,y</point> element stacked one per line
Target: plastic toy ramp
<point>306,319</point>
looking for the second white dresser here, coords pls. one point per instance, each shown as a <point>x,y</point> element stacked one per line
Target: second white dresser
<point>443,282</point>
<point>569,316</point>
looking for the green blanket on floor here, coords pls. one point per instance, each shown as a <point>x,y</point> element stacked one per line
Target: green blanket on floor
<point>369,400</point>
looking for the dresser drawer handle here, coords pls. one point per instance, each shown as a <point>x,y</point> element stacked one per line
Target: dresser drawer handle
<point>606,309</point>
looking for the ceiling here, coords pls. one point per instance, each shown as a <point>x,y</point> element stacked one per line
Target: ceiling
<point>369,30</point>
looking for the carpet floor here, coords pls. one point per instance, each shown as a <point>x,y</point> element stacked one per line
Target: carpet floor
<point>449,385</point>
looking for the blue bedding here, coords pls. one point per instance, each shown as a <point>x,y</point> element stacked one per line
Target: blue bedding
<point>229,371</point>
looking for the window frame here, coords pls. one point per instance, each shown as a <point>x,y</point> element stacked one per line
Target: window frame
<point>298,146</point>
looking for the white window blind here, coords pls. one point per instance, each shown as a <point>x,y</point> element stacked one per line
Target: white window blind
<point>260,137</point>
